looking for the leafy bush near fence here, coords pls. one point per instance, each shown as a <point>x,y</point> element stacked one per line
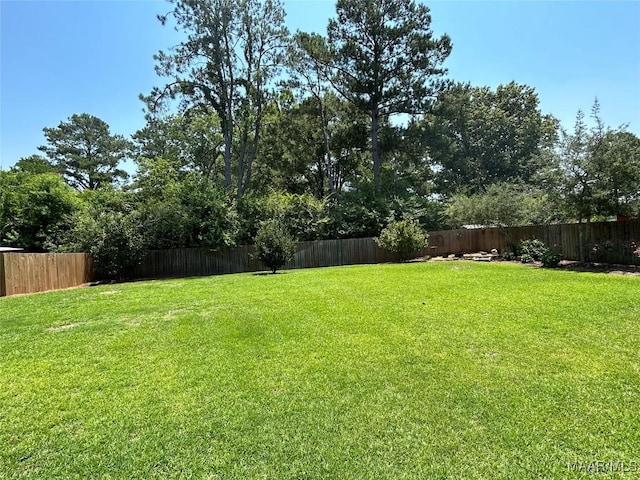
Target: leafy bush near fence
<point>114,241</point>
<point>633,247</point>
<point>274,245</point>
<point>403,237</point>
<point>535,250</point>
<point>550,259</point>
<point>526,258</point>
<point>110,229</point>
<point>508,256</point>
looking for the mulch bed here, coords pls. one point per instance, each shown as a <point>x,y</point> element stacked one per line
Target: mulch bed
<point>600,268</point>
<point>568,265</point>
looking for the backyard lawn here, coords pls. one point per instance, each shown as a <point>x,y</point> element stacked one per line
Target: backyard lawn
<point>425,370</point>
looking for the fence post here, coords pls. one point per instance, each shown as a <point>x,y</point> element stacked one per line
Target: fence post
<point>3,285</point>
<point>581,248</point>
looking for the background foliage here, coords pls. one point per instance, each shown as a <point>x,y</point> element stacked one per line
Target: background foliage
<point>322,133</point>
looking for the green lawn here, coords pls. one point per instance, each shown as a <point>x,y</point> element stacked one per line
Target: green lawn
<point>427,370</point>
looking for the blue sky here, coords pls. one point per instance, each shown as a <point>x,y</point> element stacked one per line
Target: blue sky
<point>58,58</point>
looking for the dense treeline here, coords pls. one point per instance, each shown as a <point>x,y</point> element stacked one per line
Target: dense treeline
<point>335,135</point>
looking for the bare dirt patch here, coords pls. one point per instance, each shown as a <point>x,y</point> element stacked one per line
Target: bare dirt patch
<point>174,313</point>
<point>60,328</point>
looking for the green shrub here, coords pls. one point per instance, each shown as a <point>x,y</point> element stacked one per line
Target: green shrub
<point>403,237</point>
<point>550,259</point>
<point>36,211</point>
<point>274,245</point>
<point>108,228</point>
<point>526,258</point>
<point>508,256</point>
<point>534,248</point>
<point>114,241</point>
<point>303,215</point>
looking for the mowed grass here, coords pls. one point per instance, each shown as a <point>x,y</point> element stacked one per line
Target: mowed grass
<point>432,370</point>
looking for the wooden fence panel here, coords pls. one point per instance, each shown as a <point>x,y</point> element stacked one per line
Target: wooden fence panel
<point>38,272</point>
<point>185,262</point>
<point>564,238</point>
<point>609,242</point>
<point>355,250</point>
<point>3,288</point>
<point>198,262</point>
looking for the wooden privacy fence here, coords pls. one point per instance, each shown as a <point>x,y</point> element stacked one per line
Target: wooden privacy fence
<point>322,253</point>
<point>38,272</point>
<point>564,238</point>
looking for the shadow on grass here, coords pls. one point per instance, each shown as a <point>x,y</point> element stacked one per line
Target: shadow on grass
<point>573,266</point>
<point>261,274</point>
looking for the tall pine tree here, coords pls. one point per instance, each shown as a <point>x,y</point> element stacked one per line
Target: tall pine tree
<point>386,61</point>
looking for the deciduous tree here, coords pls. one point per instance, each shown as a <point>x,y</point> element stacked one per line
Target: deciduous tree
<point>615,160</point>
<point>274,245</point>
<point>479,136</point>
<point>35,210</point>
<point>232,53</point>
<point>190,143</point>
<point>34,164</point>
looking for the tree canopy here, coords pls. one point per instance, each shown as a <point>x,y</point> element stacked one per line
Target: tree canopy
<point>479,136</point>
<point>232,53</point>
<point>386,61</point>
<point>333,136</point>
<point>86,153</point>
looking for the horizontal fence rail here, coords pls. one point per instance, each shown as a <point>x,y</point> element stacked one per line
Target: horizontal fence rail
<point>39,272</point>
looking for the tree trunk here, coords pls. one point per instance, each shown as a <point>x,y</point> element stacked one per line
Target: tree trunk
<point>587,235</point>
<point>226,120</point>
<point>227,160</point>
<point>227,100</point>
<point>255,145</point>
<point>327,149</point>
<point>375,149</point>
<point>240,169</point>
